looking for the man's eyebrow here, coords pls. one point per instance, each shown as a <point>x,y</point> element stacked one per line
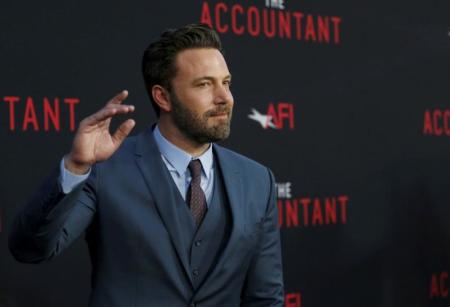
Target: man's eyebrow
<point>210,78</point>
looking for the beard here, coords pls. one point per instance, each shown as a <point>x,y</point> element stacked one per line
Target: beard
<point>196,127</point>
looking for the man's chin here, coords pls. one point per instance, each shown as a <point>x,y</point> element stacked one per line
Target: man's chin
<point>218,133</point>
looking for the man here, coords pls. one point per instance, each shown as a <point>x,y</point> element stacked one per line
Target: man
<point>171,219</point>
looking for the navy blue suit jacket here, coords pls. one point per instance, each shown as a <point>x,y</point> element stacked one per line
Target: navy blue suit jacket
<point>128,214</point>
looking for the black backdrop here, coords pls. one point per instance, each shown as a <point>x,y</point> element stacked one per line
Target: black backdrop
<point>358,140</point>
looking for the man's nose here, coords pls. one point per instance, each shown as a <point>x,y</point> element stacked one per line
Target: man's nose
<point>223,95</point>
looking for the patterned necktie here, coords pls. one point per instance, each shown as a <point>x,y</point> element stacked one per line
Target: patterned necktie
<point>195,197</point>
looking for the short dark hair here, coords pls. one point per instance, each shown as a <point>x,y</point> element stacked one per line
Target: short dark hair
<point>158,62</point>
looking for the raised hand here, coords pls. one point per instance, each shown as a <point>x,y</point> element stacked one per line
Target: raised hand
<point>93,142</point>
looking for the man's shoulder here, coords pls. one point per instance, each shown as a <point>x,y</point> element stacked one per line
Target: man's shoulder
<point>238,160</point>
<point>129,144</point>
<point>129,148</point>
<point>139,143</point>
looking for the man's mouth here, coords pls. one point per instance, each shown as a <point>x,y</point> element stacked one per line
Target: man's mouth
<point>221,114</point>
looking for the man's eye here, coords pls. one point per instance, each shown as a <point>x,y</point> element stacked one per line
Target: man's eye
<point>228,82</point>
<point>203,84</point>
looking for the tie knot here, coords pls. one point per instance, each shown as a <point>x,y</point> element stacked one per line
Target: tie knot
<point>195,166</point>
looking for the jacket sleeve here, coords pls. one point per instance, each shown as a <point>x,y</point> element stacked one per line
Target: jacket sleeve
<point>264,280</point>
<point>51,220</point>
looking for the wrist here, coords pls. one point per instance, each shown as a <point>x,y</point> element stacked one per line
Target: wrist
<point>75,167</point>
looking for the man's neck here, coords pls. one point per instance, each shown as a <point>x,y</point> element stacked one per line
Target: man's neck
<point>180,140</point>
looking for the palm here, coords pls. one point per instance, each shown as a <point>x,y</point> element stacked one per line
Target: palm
<point>93,141</point>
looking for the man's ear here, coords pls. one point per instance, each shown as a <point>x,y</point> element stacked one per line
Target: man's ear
<point>162,98</point>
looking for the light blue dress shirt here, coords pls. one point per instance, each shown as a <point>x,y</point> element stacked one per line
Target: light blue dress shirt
<point>69,180</point>
<point>176,161</point>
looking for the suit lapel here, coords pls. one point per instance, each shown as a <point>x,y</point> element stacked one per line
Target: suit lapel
<point>158,179</point>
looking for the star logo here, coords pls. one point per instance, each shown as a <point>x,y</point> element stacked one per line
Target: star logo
<point>264,120</point>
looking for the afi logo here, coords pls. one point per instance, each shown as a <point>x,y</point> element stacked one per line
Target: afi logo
<point>278,116</point>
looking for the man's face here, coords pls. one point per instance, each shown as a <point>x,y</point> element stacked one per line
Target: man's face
<point>201,98</point>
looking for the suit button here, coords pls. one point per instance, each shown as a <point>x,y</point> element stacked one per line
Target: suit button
<point>195,272</point>
<point>193,305</point>
<point>198,242</point>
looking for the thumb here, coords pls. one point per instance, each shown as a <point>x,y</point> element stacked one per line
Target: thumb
<point>122,131</point>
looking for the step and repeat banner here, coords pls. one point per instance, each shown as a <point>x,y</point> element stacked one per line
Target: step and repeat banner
<point>348,102</point>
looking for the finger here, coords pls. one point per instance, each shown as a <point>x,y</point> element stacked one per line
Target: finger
<point>108,112</point>
<point>118,98</point>
<point>122,131</point>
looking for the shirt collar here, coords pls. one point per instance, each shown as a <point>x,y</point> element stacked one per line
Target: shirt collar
<point>180,159</point>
